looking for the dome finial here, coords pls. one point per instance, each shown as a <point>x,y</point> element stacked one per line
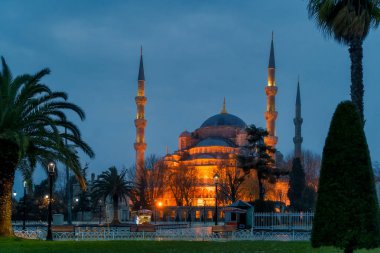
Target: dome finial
<point>224,106</point>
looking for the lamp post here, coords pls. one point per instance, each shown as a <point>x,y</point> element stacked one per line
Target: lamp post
<point>68,189</point>
<point>51,170</point>
<point>155,211</point>
<point>100,211</point>
<point>24,208</point>
<point>77,207</point>
<point>216,181</point>
<point>190,210</point>
<point>204,211</point>
<point>159,206</point>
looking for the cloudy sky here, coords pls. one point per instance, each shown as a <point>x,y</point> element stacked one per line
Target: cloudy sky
<point>195,53</point>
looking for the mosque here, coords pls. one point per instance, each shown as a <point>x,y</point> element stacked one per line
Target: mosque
<point>213,146</point>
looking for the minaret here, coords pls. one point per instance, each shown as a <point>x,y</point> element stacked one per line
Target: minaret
<point>140,122</point>
<point>271,91</point>
<point>298,123</point>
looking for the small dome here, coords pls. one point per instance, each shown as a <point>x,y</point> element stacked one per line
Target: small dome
<point>224,119</point>
<point>185,134</point>
<point>215,142</point>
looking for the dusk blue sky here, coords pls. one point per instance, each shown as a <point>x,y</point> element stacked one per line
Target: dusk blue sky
<point>195,54</point>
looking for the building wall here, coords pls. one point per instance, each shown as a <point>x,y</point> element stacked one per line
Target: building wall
<point>216,159</point>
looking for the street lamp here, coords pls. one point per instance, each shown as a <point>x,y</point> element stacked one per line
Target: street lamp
<point>100,211</point>
<point>155,211</point>
<point>14,194</point>
<point>204,211</point>
<point>77,206</point>
<point>51,170</point>
<point>24,208</point>
<point>216,181</point>
<point>159,206</point>
<point>189,217</point>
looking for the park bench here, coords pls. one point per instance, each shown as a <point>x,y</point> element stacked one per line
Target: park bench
<point>143,228</point>
<point>225,230</point>
<point>63,228</point>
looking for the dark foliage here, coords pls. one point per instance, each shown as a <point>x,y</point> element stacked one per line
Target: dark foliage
<point>83,203</point>
<point>258,156</point>
<point>348,22</point>
<point>266,206</point>
<point>32,118</point>
<point>347,210</point>
<point>308,198</point>
<point>297,185</point>
<point>114,185</point>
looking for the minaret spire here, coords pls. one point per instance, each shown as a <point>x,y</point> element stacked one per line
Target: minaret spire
<point>271,91</point>
<point>141,76</point>
<point>140,122</point>
<point>224,110</point>
<point>298,123</point>
<point>271,65</point>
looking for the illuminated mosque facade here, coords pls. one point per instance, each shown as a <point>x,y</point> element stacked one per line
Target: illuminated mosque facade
<point>214,146</point>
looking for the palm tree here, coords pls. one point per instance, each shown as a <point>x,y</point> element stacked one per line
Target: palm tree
<point>348,22</point>
<point>32,118</point>
<point>114,185</point>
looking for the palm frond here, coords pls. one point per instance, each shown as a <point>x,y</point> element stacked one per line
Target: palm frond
<point>35,118</point>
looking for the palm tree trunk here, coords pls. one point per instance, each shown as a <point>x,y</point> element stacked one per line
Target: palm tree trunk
<point>115,202</point>
<point>6,186</point>
<point>8,163</point>
<point>357,87</point>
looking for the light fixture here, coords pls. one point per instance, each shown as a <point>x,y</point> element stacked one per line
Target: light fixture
<point>51,168</point>
<point>216,178</point>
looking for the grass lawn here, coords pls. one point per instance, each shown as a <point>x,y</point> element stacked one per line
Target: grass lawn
<point>15,245</point>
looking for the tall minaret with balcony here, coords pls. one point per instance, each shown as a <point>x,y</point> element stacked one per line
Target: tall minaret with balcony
<point>298,123</point>
<point>140,122</point>
<point>271,91</point>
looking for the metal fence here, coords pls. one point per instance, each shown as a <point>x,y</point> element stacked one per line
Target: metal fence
<point>267,226</point>
<point>189,234</point>
<point>283,221</point>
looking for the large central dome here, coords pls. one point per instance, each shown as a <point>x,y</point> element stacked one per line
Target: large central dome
<point>224,119</point>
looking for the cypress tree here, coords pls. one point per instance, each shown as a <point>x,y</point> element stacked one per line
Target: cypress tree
<point>346,213</point>
<point>297,185</point>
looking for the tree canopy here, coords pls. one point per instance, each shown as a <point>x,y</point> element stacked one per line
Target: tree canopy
<point>114,185</point>
<point>348,22</point>
<point>256,155</point>
<point>33,130</point>
<point>346,213</point>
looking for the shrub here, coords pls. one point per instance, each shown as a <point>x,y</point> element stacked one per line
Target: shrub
<point>346,213</point>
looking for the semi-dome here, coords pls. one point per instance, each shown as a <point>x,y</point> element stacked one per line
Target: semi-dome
<point>214,141</point>
<point>224,119</point>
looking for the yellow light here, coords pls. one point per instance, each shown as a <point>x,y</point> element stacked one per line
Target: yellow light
<point>216,178</point>
<point>160,204</point>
